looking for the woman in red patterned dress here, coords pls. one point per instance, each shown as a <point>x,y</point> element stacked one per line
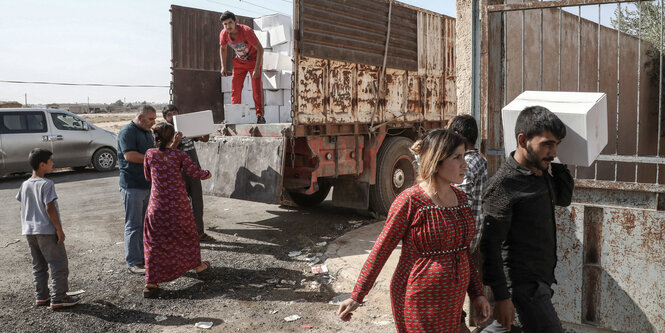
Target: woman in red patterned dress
<point>433,220</point>
<point>170,238</point>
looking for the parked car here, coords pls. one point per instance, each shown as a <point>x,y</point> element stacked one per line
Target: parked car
<point>73,141</point>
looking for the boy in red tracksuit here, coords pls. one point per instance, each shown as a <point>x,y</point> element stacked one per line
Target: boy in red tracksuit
<point>249,58</point>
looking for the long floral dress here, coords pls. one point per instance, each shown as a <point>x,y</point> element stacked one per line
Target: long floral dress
<point>170,238</point>
<point>435,268</point>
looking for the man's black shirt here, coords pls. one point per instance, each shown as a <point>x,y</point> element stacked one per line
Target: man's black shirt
<point>520,228</point>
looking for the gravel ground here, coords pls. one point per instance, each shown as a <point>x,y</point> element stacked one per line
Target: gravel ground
<point>255,283</point>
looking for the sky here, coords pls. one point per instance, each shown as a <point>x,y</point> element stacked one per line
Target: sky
<point>110,42</point>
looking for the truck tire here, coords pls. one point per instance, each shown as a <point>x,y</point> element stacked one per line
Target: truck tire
<point>104,159</point>
<point>395,172</point>
<point>309,200</point>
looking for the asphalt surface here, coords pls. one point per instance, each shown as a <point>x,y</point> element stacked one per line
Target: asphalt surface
<point>255,283</point>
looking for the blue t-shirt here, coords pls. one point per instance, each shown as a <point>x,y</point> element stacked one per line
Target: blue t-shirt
<point>133,138</point>
<point>34,195</point>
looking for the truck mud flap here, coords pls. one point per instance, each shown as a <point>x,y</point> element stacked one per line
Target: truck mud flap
<point>247,168</point>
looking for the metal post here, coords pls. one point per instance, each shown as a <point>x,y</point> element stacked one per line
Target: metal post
<point>616,139</point>
<point>560,18</point>
<point>595,171</point>
<point>639,63</point>
<point>541,49</point>
<point>660,90</point>
<point>522,51</point>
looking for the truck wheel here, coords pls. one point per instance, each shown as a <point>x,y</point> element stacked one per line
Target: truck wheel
<point>309,200</point>
<point>104,159</point>
<point>394,173</point>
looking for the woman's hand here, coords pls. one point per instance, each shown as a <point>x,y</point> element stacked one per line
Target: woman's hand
<point>346,308</point>
<point>481,308</point>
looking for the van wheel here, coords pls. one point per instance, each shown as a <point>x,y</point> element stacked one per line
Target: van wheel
<point>104,159</point>
<point>395,172</point>
<point>309,200</point>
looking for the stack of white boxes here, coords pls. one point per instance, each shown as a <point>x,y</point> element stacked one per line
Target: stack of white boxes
<point>274,32</point>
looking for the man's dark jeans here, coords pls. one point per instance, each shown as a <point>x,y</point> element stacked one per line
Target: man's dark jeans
<point>533,302</point>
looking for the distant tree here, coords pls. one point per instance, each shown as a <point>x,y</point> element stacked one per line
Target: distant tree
<point>118,103</point>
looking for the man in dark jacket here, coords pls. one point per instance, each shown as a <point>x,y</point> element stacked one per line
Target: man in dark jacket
<point>520,229</point>
<point>194,189</point>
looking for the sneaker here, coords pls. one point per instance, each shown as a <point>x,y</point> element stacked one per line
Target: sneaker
<point>65,302</point>
<point>42,302</point>
<point>260,120</point>
<point>137,269</point>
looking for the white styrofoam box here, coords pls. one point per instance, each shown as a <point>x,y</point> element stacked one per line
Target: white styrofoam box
<point>277,62</point>
<point>287,97</point>
<point>272,20</point>
<point>247,98</point>
<point>194,124</point>
<point>279,34</point>
<point>263,37</point>
<point>583,113</point>
<point>226,83</point>
<point>247,84</point>
<point>238,114</point>
<point>284,48</point>
<point>285,114</point>
<point>273,97</point>
<point>286,80</point>
<point>227,98</point>
<point>271,113</point>
<point>270,61</point>
<point>271,80</point>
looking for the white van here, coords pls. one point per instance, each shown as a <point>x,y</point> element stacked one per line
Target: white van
<point>73,141</point>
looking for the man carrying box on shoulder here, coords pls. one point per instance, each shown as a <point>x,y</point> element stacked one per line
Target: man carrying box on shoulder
<point>249,58</point>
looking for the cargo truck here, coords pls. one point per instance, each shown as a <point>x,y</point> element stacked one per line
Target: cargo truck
<point>369,76</point>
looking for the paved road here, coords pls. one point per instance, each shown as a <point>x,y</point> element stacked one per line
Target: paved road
<point>252,245</point>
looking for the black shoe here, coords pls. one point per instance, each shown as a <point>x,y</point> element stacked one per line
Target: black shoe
<point>260,120</point>
<point>65,302</point>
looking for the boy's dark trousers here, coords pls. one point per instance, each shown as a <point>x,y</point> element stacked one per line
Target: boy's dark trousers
<point>46,252</point>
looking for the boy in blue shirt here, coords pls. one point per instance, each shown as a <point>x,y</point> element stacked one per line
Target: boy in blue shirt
<point>40,223</point>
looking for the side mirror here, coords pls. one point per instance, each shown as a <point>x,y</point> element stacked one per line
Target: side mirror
<point>86,127</point>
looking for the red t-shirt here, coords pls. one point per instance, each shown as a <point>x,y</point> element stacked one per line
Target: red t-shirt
<point>242,45</point>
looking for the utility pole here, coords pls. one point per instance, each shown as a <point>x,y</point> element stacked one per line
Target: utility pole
<point>26,100</point>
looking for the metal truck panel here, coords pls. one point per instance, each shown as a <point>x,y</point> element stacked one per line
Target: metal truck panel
<point>248,168</point>
<point>339,70</point>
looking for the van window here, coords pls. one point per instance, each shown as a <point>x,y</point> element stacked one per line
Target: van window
<point>66,122</point>
<point>22,122</point>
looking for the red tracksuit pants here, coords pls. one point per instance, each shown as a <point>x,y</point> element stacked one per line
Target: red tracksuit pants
<point>240,70</point>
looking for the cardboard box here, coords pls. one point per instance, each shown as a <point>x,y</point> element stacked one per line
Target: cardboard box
<point>271,113</point>
<point>239,114</point>
<point>226,83</point>
<point>271,80</point>
<point>247,98</point>
<point>583,113</point>
<point>277,62</point>
<point>263,37</point>
<point>285,114</point>
<point>284,48</point>
<point>286,80</point>
<point>194,124</point>
<point>287,98</point>
<point>268,21</point>
<point>279,35</point>
<point>273,97</point>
